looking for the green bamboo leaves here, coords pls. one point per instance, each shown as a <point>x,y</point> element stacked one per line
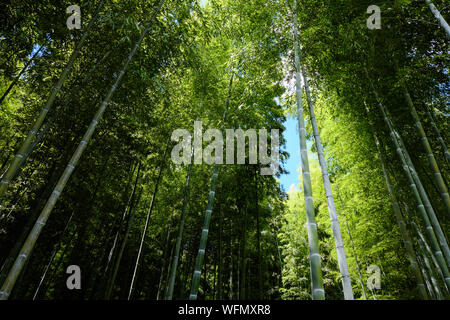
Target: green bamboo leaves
<point>318,292</point>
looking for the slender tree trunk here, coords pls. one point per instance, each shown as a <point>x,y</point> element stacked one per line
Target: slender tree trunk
<point>243,259</point>
<point>238,273</point>
<point>166,249</point>
<point>230,293</point>
<point>144,232</point>
<point>176,256</point>
<point>16,201</point>
<point>122,248</point>
<point>57,113</point>
<point>314,253</point>
<point>125,212</point>
<point>438,16</point>
<point>17,161</point>
<point>356,260</point>
<point>100,286</point>
<point>443,191</point>
<point>258,240</point>
<point>426,276</point>
<point>219,267</point>
<point>214,278</point>
<point>61,259</point>
<point>402,226</point>
<point>204,237</point>
<point>34,234</point>
<point>130,213</point>
<point>169,270</point>
<point>247,291</point>
<point>353,247</point>
<point>339,244</point>
<point>280,278</point>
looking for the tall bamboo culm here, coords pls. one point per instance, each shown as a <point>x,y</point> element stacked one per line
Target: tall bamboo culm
<point>144,231</point>
<point>339,244</point>
<point>130,210</point>
<point>176,255</point>
<point>317,290</point>
<point>204,236</point>
<point>27,248</point>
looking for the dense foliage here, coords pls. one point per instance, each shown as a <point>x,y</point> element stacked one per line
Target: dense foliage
<point>119,213</point>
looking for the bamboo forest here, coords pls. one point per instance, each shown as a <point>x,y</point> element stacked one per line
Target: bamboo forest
<point>224,150</point>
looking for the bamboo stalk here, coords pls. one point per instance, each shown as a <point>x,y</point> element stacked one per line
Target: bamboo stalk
<point>125,212</point>
<point>122,248</point>
<point>212,190</point>
<point>317,290</point>
<point>356,260</point>
<point>144,232</point>
<point>166,248</point>
<point>339,244</point>
<point>173,270</point>
<point>258,241</point>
